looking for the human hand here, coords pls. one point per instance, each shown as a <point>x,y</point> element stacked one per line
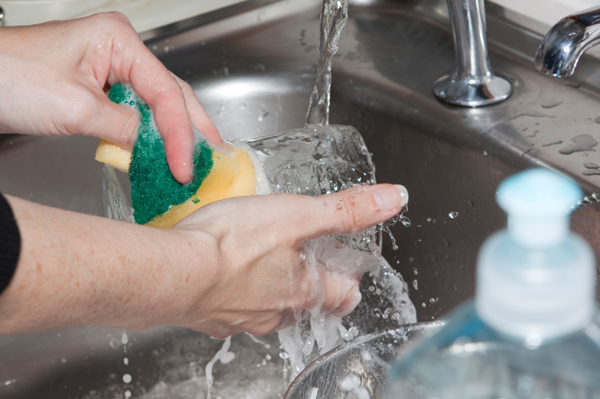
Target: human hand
<point>53,76</point>
<point>234,265</point>
<point>262,277</point>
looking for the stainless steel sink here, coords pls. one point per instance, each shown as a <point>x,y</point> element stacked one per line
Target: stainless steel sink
<point>253,67</point>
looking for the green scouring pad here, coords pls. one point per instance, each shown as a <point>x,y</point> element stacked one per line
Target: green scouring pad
<point>154,190</point>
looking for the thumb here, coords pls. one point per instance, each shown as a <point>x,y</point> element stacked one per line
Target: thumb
<point>349,211</point>
<point>114,123</point>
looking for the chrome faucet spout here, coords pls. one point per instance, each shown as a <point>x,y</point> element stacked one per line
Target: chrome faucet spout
<point>566,41</point>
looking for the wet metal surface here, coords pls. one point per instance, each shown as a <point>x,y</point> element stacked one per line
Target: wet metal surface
<point>254,68</point>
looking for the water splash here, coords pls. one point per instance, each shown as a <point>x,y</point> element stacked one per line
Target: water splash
<point>398,218</point>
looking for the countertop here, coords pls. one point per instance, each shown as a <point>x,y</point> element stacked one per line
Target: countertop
<point>143,14</point>
<point>150,14</point>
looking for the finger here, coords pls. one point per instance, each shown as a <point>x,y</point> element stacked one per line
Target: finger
<point>133,63</point>
<point>174,126</point>
<point>198,115</point>
<point>348,211</point>
<point>343,294</point>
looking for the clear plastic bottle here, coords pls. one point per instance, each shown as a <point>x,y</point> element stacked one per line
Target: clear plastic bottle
<point>529,331</point>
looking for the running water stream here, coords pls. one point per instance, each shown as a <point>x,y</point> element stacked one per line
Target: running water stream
<point>334,15</point>
<point>385,303</point>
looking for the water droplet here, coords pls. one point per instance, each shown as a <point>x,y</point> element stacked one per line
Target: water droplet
<point>392,238</point>
<point>127,378</point>
<point>125,361</point>
<point>415,284</point>
<point>386,313</point>
<point>127,394</point>
<point>453,215</point>
<point>583,142</point>
<point>423,305</point>
<point>485,153</point>
<point>284,355</point>
<point>262,115</point>
<point>591,165</point>
<point>552,143</point>
<point>551,104</point>
<point>124,339</point>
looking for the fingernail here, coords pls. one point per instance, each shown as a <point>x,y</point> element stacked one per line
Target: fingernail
<point>403,194</point>
<point>387,198</point>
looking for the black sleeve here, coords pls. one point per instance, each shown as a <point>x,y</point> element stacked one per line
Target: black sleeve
<point>10,244</point>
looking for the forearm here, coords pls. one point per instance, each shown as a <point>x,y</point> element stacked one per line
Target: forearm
<point>77,270</point>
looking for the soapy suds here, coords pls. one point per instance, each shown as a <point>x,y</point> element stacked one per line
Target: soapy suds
<point>381,288</point>
<point>222,355</point>
<point>352,383</point>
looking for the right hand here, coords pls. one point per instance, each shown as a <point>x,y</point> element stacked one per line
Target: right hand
<point>261,279</point>
<point>234,265</point>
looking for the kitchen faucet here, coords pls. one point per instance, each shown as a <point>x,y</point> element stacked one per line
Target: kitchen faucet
<point>566,41</point>
<point>472,84</point>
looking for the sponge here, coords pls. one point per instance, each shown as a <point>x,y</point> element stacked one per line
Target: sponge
<point>157,198</point>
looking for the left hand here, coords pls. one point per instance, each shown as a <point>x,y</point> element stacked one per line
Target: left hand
<point>53,78</point>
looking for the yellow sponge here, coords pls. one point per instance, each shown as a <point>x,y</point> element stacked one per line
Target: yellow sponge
<point>113,155</point>
<point>231,176</point>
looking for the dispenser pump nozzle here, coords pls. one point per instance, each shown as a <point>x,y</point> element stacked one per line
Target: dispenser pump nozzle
<point>536,279</point>
<point>539,203</point>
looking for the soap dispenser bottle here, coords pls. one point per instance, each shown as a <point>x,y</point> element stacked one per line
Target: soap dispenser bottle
<point>529,331</point>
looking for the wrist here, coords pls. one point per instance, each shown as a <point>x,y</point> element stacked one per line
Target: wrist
<point>197,263</point>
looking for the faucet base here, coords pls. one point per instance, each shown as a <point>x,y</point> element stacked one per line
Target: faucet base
<point>473,91</point>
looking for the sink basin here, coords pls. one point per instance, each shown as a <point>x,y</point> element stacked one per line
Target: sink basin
<point>253,66</point>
